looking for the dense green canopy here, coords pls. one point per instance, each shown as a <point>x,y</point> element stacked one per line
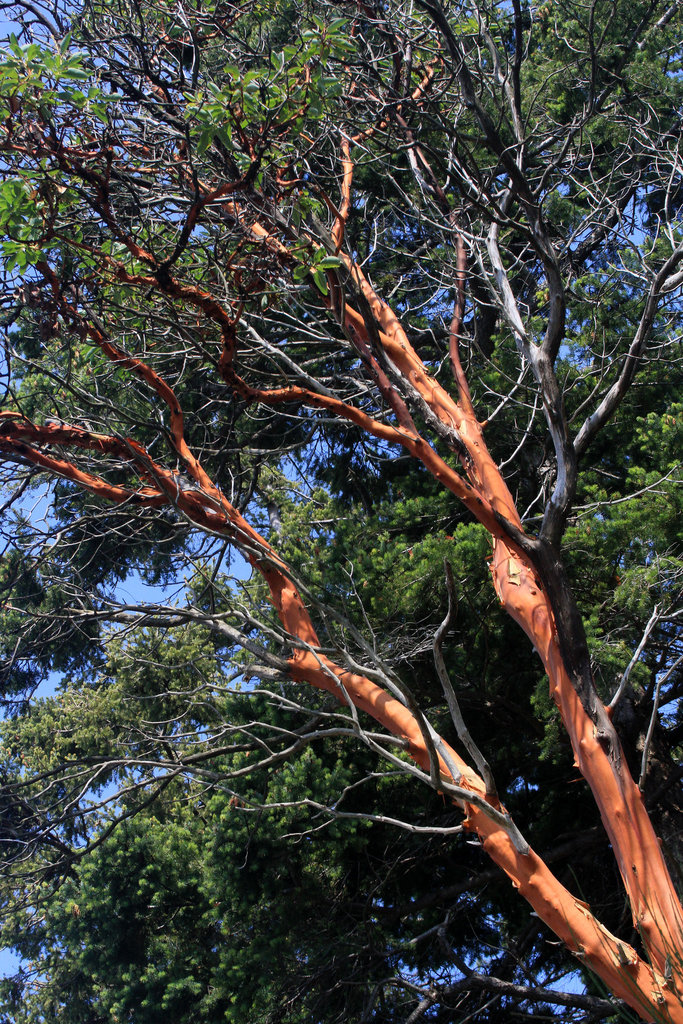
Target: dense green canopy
<point>187,833</point>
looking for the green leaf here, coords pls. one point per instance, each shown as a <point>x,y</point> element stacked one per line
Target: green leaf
<point>320,281</point>
<point>330,263</point>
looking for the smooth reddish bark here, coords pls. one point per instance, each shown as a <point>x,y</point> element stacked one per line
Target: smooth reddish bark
<point>651,991</point>
<point>646,990</point>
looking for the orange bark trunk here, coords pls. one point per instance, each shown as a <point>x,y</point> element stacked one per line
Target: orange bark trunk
<point>657,913</point>
<point>656,910</point>
<point>647,991</point>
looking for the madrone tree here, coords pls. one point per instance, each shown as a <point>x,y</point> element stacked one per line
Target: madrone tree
<point>268,268</point>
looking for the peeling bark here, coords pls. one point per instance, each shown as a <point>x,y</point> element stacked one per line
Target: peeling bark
<point>534,593</point>
<point>527,571</point>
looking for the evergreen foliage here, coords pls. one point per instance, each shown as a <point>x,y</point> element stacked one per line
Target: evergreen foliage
<point>189,831</point>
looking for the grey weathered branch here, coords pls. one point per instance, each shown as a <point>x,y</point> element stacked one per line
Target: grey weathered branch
<point>653,719</point>
<point>453,705</point>
<point>665,280</point>
<point>651,623</point>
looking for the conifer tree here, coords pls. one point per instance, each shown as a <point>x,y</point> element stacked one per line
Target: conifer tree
<point>341,489</point>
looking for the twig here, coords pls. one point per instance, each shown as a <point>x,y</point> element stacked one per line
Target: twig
<point>652,622</point>
<point>453,706</point>
<point>653,718</point>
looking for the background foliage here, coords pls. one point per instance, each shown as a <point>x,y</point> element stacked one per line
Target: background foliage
<point>188,835</point>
